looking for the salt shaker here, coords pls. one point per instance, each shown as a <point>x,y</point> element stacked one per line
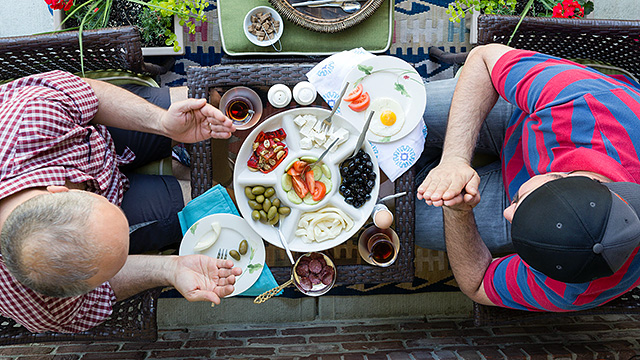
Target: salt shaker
<point>279,95</point>
<point>382,216</point>
<point>304,93</point>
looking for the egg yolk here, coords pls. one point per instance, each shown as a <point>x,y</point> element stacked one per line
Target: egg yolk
<point>388,118</point>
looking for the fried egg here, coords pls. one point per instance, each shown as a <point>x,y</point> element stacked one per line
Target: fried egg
<point>388,118</point>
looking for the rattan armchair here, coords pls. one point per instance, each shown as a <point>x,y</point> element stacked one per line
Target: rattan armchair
<point>612,42</point>
<point>133,319</point>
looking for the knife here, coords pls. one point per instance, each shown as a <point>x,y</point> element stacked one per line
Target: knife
<point>363,134</point>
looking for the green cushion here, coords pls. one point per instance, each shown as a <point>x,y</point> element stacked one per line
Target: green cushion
<point>120,77</point>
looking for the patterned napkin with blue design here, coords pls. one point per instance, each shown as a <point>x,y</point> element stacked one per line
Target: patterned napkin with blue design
<point>217,201</point>
<point>394,158</point>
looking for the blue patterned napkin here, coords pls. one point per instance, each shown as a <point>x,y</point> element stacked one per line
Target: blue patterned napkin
<point>394,158</point>
<point>217,201</point>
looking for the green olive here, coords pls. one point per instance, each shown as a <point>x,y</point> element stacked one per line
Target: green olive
<point>255,205</point>
<point>244,246</point>
<point>284,210</point>
<point>234,254</point>
<point>247,191</point>
<point>263,216</point>
<point>272,212</point>
<point>257,190</point>
<point>269,192</point>
<point>260,198</point>
<point>255,215</point>
<point>266,205</point>
<point>274,220</point>
<point>275,202</point>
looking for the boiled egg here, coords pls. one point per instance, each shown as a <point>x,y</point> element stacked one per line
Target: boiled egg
<point>388,118</point>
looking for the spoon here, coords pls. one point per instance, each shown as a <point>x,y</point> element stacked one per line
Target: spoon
<point>346,6</point>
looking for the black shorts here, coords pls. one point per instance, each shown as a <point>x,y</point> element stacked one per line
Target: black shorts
<point>152,202</point>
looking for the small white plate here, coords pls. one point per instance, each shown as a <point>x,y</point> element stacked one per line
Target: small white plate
<point>234,230</point>
<point>274,16</point>
<point>387,77</point>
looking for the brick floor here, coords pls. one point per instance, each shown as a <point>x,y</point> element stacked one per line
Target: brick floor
<point>614,337</point>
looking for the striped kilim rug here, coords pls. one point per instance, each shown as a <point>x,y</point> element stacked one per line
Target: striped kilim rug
<point>418,24</point>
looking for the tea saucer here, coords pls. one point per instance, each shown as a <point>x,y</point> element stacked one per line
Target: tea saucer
<point>364,236</point>
<point>249,94</point>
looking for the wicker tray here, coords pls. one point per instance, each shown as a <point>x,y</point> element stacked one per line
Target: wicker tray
<point>324,19</point>
<point>351,270</point>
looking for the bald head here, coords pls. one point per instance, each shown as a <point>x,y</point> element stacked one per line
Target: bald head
<point>65,243</point>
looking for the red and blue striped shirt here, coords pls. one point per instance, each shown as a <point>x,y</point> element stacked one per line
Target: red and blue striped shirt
<point>568,117</point>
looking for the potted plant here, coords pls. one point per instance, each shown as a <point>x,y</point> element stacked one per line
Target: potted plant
<point>543,8</point>
<point>160,22</point>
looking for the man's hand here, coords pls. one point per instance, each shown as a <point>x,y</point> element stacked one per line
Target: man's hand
<point>451,183</point>
<point>201,278</point>
<point>194,120</point>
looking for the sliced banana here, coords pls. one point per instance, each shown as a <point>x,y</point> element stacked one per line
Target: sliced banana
<point>207,241</point>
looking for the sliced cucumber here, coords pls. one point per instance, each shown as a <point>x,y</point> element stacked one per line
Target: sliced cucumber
<point>309,159</point>
<point>317,173</point>
<point>293,197</point>
<point>308,199</point>
<point>290,164</point>
<point>326,171</point>
<point>286,182</point>
<point>327,183</point>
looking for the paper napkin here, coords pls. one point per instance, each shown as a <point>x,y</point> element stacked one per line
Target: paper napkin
<point>217,201</point>
<point>394,158</point>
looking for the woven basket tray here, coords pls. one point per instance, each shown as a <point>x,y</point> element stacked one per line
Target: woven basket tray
<point>324,19</point>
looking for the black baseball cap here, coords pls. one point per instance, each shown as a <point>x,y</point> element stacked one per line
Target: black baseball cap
<point>576,229</point>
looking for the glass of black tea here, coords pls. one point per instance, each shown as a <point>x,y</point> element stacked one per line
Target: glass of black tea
<point>239,110</point>
<point>379,246</point>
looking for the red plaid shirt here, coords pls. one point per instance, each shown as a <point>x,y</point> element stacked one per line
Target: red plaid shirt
<point>46,139</point>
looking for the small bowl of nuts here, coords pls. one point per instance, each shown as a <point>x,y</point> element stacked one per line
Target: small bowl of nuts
<point>263,26</point>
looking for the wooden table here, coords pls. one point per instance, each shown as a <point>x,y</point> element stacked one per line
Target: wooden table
<point>210,165</point>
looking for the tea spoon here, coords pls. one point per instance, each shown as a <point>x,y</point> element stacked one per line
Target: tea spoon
<point>346,6</point>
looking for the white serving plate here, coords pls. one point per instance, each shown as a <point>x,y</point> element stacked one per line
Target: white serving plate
<point>243,177</point>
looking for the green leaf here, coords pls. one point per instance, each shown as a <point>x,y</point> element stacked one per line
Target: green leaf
<point>254,267</point>
<point>193,228</point>
<point>365,69</point>
<point>399,87</point>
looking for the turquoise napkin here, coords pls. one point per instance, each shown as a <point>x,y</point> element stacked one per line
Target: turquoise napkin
<point>217,201</point>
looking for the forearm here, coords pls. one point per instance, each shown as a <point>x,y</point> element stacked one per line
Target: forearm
<point>468,256</point>
<point>142,272</point>
<point>125,110</point>
<point>473,99</point>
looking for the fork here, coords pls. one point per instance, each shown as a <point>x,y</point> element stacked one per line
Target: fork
<point>310,166</point>
<point>222,254</point>
<point>326,123</point>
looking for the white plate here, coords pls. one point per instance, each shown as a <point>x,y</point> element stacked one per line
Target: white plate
<point>243,177</point>
<point>387,77</point>
<point>234,230</point>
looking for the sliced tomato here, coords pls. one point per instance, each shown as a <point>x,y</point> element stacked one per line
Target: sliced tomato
<point>292,171</point>
<point>311,182</point>
<point>299,186</point>
<point>354,94</point>
<point>319,191</point>
<point>361,103</point>
<point>299,166</point>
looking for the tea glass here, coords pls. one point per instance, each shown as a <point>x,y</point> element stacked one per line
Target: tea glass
<point>379,246</point>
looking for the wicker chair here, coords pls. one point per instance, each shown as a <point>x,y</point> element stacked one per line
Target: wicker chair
<point>133,319</point>
<point>612,42</point>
